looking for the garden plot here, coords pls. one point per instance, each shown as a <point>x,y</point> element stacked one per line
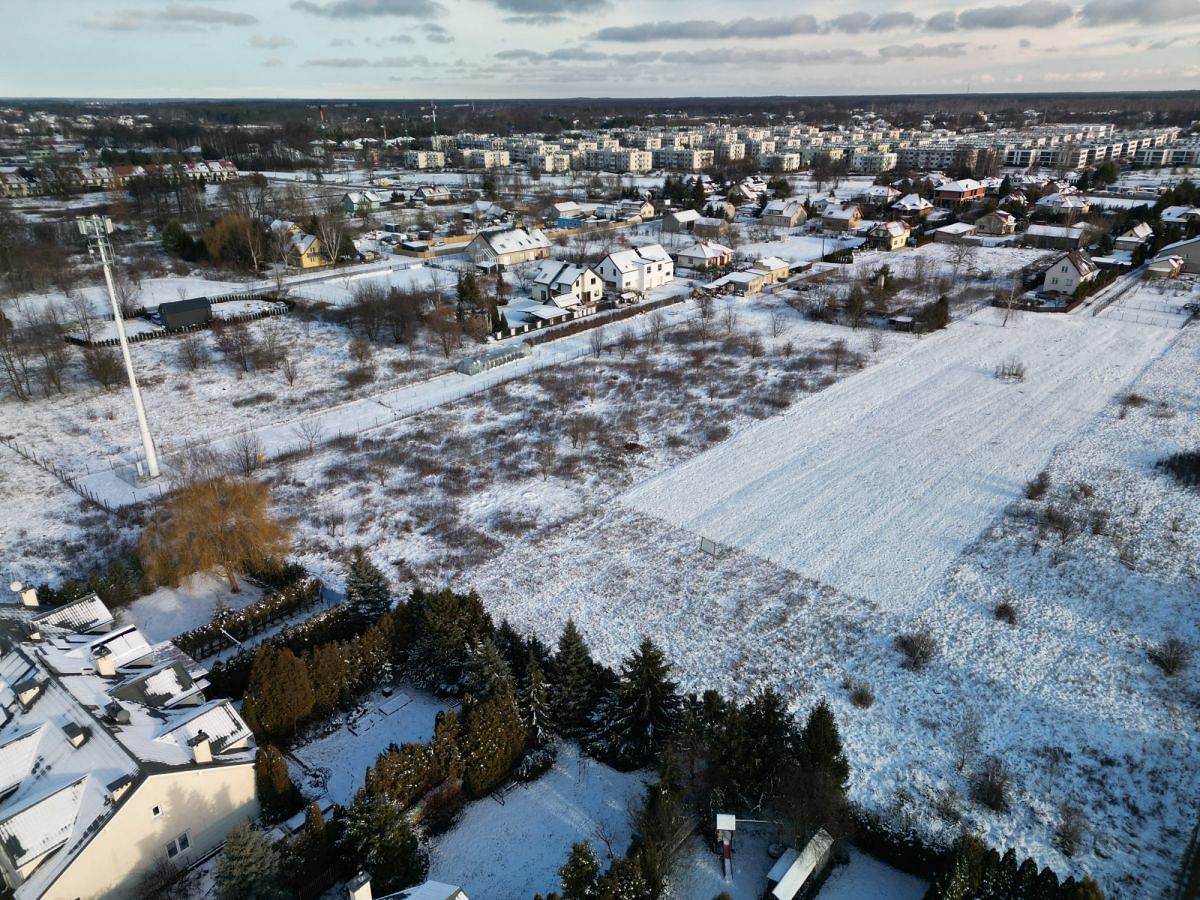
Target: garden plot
<point>876,485</point>
<point>513,846</point>
<point>1169,302</point>
<point>168,611</point>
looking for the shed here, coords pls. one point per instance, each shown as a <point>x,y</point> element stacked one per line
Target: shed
<point>794,869</point>
<point>185,313</point>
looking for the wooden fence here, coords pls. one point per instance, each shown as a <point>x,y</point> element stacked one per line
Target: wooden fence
<point>280,309</point>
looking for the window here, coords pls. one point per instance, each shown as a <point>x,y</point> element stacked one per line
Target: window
<point>156,811</point>
<point>177,846</point>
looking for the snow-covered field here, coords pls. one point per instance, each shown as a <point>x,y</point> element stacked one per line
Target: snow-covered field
<point>1160,302</point>
<point>874,486</point>
<point>513,847</point>
<point>866,878</point>
<point>167,612</point>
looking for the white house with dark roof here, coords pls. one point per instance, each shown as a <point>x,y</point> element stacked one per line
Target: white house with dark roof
<point>1134,237</point>
<point>704,255</point>
<point>561,283</point>
<point>637,270</point>
<point>111,758</point>
<point>784,213</point>
<point>1068,272</point>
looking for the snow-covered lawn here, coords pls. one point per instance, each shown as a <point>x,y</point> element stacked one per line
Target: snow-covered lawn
<point>1157,302</point>
<point>335,764</point>
<point>866,878</point>
<point>698,874</point>
<point>168,612</point>
<point>513,847</point>
<point>876,485</point>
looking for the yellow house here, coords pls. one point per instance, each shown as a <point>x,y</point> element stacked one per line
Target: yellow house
<point>306,252</point>
<point>774,268</point>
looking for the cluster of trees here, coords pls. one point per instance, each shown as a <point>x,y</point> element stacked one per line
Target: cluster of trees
<point>973,871</point>
<point>118,584</point>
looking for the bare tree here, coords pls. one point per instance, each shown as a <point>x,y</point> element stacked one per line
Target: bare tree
<point>247,453</point>
<point>331,229</point>
<point>104,365</point>
<point>445,325</point>
<point>966,739</point>
<point>310,432</point>
<point>235,342</point>
<point>1010,297</point>
<point>193,351</point>
<point>83,314</point>
<point>875,340</point>
<point>288,369</point>
<point>596,342</point>
<point>779,322</point>
<point>656,324</point>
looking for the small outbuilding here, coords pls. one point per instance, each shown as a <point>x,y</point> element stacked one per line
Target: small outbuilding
<point>798,868</point>
<point>192,313</point>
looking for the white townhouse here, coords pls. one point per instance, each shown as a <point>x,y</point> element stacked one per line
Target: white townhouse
<point>639,270</point>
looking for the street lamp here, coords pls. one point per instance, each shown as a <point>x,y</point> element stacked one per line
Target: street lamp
<point>97,229</point>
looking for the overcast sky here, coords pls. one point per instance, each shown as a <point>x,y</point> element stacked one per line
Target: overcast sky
<point>554,48</point>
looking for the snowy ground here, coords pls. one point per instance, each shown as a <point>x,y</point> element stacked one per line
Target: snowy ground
<point>1157,302</point>
<point>932,440</point>
<point>698,874</point>
<point>334,764</point>
<point>513,846</point>
<point>168,612</point>
<point>866,878</point>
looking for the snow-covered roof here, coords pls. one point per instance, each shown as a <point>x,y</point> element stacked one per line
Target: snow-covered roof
<point>1178,215</point>
<point>684,215</point>
<point>1139,232</point>
<point>89,708</point>
<point>771,264</point>
<point>1171,249</point>
<point>430,890</point>
<point>838,211</point>
<point>554,273</point>
<point>894,229</point>
<point>802,866</point>
<point>958,228</point>
<point>962,186</point>
<point>638,257</point>
<point>514,240</point>
<point>705,250</point>
<point>912,203</point>
<point>1063,201</point>
<point>1071,231</point>
<point>789,208</point>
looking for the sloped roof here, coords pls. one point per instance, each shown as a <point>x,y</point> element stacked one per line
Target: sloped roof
<point>514,240</point>
<point>638,257</point>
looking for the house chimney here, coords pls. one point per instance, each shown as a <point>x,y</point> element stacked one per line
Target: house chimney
<point>29,598</point>
<point>105,666</point>
<point>120,787</point>
<point>359,887</point>
<point>75,734</point>
<point>201,749</point>
<point>27,692</point>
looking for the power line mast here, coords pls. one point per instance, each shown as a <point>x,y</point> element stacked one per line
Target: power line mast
<point>97,230</point>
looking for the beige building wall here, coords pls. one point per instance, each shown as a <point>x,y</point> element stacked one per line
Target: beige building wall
<point>205,803</point>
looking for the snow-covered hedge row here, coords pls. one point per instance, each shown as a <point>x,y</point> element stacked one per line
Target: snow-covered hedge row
<point>250,620</point>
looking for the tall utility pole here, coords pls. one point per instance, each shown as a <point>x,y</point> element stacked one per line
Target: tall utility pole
<point>97,230</point>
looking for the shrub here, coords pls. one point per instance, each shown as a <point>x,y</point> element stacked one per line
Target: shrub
<point>442,808</point>
<point>1036,489</point>
<point>1172,656</point>
<point>860,692</point>
<point>990,785</point>
<point>1185,467</point>
<point>1134,401</point>
<point>918,647</point>
<point>356,378</point>
<point>1011,370</point>
<point>1070,831</point>
<point>1006,611</point>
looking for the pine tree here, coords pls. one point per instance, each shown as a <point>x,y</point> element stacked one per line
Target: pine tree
<point>535,703</point>
<point>494,740</point>
<point>487,671</point>
<point>368,593</point>
<point>382,843</point>
<point>446,624</point>
<point>311,853</point>
<point>279,695</point>
<point>326,667</point>
<point>580,873</point>
<point>447,758</point>
<point>573,694</point>
<point>249,868</point>
<point>625,881</point>
<point>821,745</point>
<point>276,792</point>
<point>646,707</point>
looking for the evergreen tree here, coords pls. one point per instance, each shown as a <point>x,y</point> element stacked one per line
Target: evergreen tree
<point>276,792</point>
<point>487,671</point>
<point>447,758</point>
<point>646,706</point>
<point>469,293</point>
<point>249,868</point>
<point>368,593</point>
<point>311,853</point>
<point>327,674</point>
<point>1082,890</point>
<point>446,624</point>
<point>573,697</point>
<point>381,842</point>
<point>279,695</point>
<point>535,703</point>
<point>580,873</point>
<point>698,197</point>
<point>494,740</point>
<point>821,745</point>
<point>624,881</point>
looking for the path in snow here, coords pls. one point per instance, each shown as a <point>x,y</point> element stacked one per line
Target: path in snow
<point>875,485</point>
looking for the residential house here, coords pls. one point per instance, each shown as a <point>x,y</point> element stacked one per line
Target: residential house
<point>359,888</point>
<point>996,223</point>
<point>638,270</point>
<point>709,227</point>
<point>704,255</point>
<point>629,208</point>
<point>1134,238</point>
<point>1165,267</point>
<point>1055,237</point>
<point>1068,272</point>
<point>954,233</point>
<point>112,761</point>
<point>1188,251</point>
<point>355,203</point>
<point>553,279</point>
<point>506,247</point>
<point>879,194</point>
<point>783,214</point>
<point>1180,215</point>
<point>1065,203</point>
<point>912,205</point>
<point>889,235</point>
<point>957,194</point>
<point>774,268</point>
<point>305,251</point>
<point>430,194</point>
<point>744,284</point>
<point>680,221</point>
<point>839,217</point>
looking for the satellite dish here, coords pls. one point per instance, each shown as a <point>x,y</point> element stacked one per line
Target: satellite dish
<point>15,587</point>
